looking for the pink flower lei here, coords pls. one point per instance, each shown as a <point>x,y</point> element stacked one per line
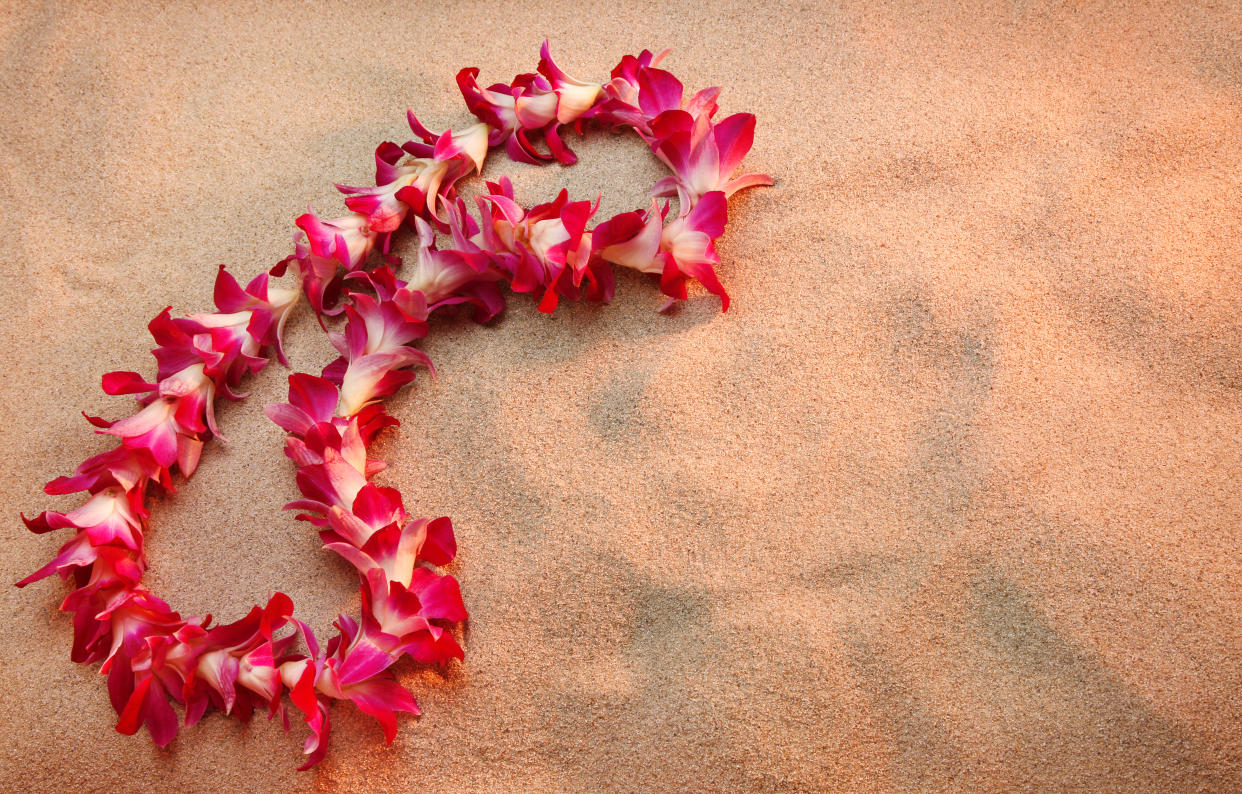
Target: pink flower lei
<point>151,655</point>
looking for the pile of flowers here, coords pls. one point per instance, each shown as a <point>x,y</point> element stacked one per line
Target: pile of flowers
<point>151,655</point>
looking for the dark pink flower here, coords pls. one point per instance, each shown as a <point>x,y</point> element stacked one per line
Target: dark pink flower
<point>681,251</point>
<point>311,400</point>
<point>518,114</point>
<point>322,248</point>
<point>269,307</point>
<point>351,667</point>
<point>638,92</point>
<point>395,549</point>
<point>320,277</point>
<point>703,154</point>
<point>109,516</point>
<point>371,376</point>
<point>398,617</point>
<point>417,176</point>
<point>240,653</point>
<point>79,552</point>
<point>574,98</point>
<point>129,469</point>
<point>136,618</point>
<point>466,273</point>
<point>166,429</point>
<point>348,239</point>
<point>546,248</point>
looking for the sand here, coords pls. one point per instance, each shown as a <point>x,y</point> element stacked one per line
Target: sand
<point>948,500</point>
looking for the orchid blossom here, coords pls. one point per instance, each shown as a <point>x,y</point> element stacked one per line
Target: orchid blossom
<point>683,250</point>
<point>703,154</point>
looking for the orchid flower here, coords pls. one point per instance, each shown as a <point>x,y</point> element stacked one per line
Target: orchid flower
<point>269,308</point>
<point>321,248</point>
<point>514,112</point>
<point>375,360</point>
<point>242,653</point>
<point>639,92</point>
<point>453,275</point>
<point>703,154</point>
<point>417,176</point>
<point>110,516</point>
<point>398,617</point>
<point>139,698</point>
<point>170,428</point>
<point>546,247</point>
<point>574,98</point>
<point>352,668</point>
<point>129,469</point>
<point>681,251</point>
<point>348,239</point>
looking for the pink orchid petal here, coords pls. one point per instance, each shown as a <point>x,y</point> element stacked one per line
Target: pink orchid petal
<point>287,417</point>
<point>126,383</point>
<point>380,698</point>
<point>363,661</point>
<point>440,595</point>
<point>709,215</point>
<point>658,91</point>
<point>638,252</point>
<point>733,136</point>
<point>315,396</point>
<point>349,527</point>
<point>440,546</point>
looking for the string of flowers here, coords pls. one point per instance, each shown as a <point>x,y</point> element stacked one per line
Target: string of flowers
<point>151,655</point>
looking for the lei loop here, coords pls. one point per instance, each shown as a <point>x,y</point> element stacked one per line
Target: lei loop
<point>151,655</point>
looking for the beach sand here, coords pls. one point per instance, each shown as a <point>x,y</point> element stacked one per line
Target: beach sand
<point>948,500</point>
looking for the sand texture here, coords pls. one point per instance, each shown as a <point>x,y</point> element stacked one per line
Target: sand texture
<point>949,500</point>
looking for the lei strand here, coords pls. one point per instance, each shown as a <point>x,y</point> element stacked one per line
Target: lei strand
<point>151,655</point>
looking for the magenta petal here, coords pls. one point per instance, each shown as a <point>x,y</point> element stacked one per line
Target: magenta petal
<point>440,595</point>
<point>47,521</point>
<point>276,614</point>
<point>316,746</point>
<point>563,154</point>
<point>195,708</point>
<point>149,704</point>
<point>734,137</point>
<point>440,546</point>
<point>316,396</point>
<point>229,296</point>
<point>706,275</point>
<point>433,650</point>
<point>363,661</point>
<point>289,418</point>
<point>159,716</point>
<point>710,214</point>
<point>658,91</point>
<point>377,506</point>
<point>131,715</point>
<point>381,698</point>
<point>126,383</point>
<point>617,229</point>
<point>120,686</point>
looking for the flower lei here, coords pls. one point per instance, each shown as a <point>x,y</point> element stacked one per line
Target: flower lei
<point>150,654</point>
